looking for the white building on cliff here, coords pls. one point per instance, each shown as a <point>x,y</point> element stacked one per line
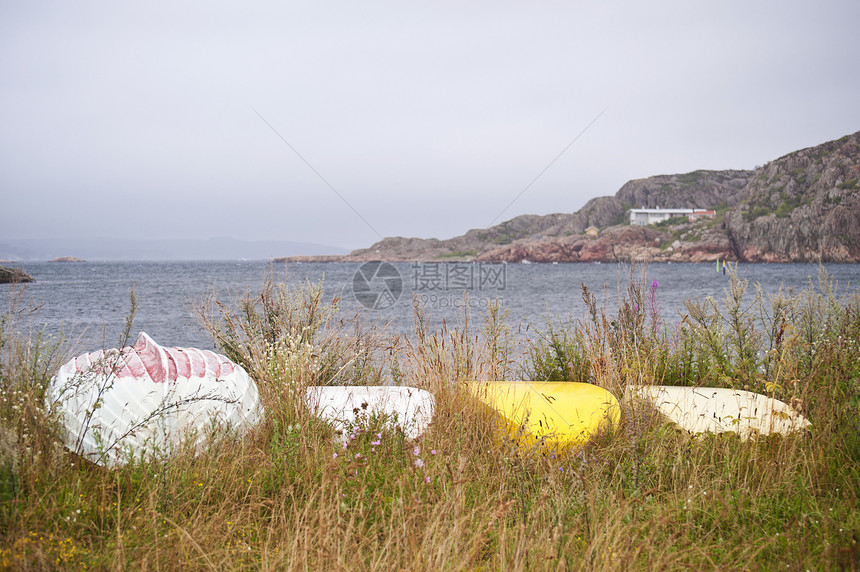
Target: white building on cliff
<point>642,217</point>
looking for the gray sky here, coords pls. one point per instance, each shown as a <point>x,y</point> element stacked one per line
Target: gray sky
<point>428,118</point>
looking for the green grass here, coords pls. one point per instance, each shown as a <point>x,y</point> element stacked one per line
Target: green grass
<point>692,178</point>
<point>290,495</point>
<point>459,254</point>
<point>669,222</point>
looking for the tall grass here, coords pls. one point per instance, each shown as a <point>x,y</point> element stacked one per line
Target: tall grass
<point>291,496</point>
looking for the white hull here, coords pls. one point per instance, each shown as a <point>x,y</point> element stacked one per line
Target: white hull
<point>719,410</point>
<point>347,406</point>
<point>148,399</point>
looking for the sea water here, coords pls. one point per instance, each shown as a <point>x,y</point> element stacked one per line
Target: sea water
<point>90,300</point>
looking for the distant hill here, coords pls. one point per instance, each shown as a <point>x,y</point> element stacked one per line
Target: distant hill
<point>802,207</point>
<point>158,249</point>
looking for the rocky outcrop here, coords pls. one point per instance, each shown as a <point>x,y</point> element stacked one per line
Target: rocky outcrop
<point>699,189</point>
<point>67,259</point>
<point>399,249</point>
<point>10,275</point>
<point>804,207</point>
<point>693,242</point>
<point>310,258</point>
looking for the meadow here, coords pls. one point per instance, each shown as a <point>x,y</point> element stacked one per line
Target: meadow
<point>291,494</point>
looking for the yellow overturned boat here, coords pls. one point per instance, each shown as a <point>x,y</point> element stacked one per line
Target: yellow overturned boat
<point>550,416</point>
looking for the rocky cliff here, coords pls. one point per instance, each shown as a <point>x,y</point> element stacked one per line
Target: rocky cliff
<point>803,207</point>
<point>699,189</point>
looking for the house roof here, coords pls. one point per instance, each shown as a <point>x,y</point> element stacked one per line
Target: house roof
<point>657,211</point>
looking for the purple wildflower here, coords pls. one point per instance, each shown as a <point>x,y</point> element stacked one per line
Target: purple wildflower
<point>419,463</point>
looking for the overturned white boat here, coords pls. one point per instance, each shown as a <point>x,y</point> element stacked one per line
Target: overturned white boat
<point>345,407</point>
<point>147,399</point>
<point>719,410</point>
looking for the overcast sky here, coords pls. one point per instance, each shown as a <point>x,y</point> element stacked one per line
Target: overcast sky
<point>427,118</point>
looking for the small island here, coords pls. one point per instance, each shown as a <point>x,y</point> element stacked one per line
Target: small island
<point>68,259</point>
<point>10,275</point>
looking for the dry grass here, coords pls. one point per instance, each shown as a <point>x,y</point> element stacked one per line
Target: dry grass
<point>288,496</point>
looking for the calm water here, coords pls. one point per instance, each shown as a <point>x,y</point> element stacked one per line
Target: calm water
<point>91,299</point>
